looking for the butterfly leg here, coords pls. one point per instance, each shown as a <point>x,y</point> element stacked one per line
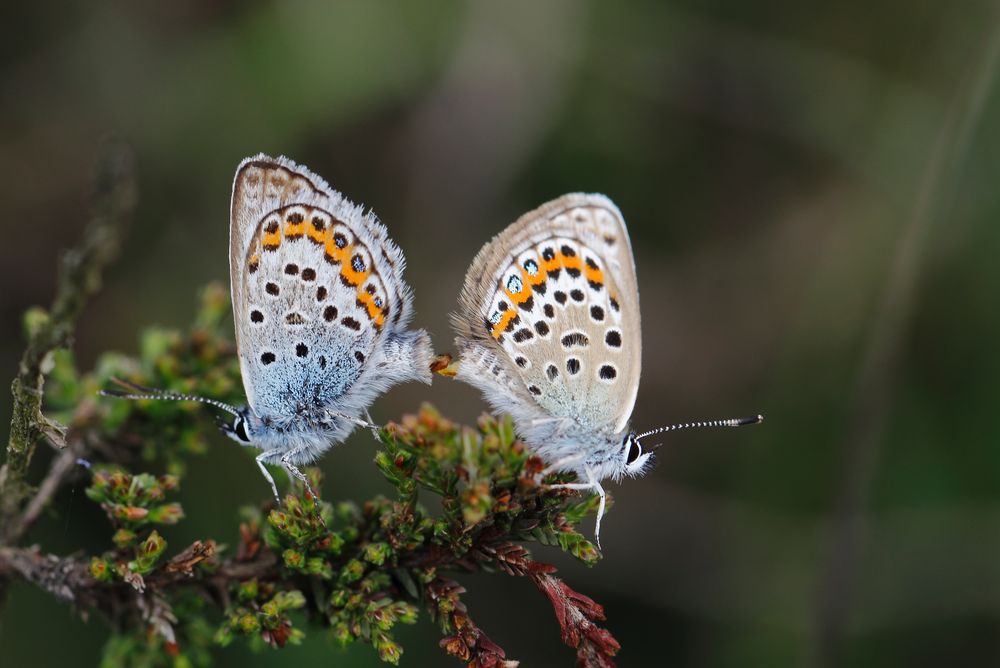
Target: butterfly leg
<point>293,470</point>
<point>358,421</point>
<point>594,486</point>
<point>560,463</point>
<point>371,425</point>
<point>261,458</point>
<point>600,507</point>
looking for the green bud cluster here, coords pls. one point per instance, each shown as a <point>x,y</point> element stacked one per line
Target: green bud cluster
<point>359,569</point>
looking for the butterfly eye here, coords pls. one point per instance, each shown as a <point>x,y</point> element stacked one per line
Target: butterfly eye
<point>633,452</point>
<point>240,427</point>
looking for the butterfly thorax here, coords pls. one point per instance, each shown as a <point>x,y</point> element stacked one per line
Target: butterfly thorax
<point>309,432</point>
<point>572,446</point>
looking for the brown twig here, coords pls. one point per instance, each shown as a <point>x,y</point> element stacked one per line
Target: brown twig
<point>388,557</point>
<point>466,641</point>
<point>79,278</point>
<point>69,578</point>
<point>62,465</point>
<point>575,612</point>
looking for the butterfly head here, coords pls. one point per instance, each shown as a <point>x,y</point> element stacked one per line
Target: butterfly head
<point>241,429</point>
<point>634,460</point>
<point>616,456</point>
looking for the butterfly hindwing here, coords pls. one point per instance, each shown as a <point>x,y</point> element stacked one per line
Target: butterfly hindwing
<point>316,286</point>
<point>553,299</point>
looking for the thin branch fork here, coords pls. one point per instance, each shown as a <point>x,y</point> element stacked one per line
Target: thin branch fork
<point>69,578</point>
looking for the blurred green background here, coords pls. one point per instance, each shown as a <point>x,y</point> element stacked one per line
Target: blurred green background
<point>811,192</point>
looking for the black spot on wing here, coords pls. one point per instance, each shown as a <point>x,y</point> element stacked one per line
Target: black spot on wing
<point>522,335</point>
<point>575,340</point>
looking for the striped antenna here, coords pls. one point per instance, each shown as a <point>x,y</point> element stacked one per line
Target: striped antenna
<point>732,422</point>
<point>139,392</point>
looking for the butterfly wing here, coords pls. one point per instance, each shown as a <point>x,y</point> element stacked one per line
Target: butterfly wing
<point>548,323</point>
<point>316,286</point>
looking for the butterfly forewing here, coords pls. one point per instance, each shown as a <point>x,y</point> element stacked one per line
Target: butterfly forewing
<point>315,284</point>
<point>555,297</point>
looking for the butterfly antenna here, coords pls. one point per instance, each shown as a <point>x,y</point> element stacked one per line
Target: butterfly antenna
<point>140,392</point>
<point>732,422</point>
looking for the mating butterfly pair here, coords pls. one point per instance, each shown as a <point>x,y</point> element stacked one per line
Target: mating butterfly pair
<point>548,326</point>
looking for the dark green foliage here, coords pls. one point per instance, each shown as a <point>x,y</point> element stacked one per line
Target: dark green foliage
<point>201,361</point>
<point>352,570</point>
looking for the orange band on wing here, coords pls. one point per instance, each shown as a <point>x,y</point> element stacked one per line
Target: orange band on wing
<point>537,279</point>
<point>294,230</point>
<point>334,254</point>
<point>551,265</point>
<point>368,302</point>
<point>522,295</point>
<point>317,235</point>
<point>353,277</point>
<point>594,275</point>
<point>501,324</point>
<point>570,262</point>
<point>271,240</point>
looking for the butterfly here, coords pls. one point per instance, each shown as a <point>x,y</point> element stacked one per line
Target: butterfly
<point>321,310</point>
<point>549,331</point>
